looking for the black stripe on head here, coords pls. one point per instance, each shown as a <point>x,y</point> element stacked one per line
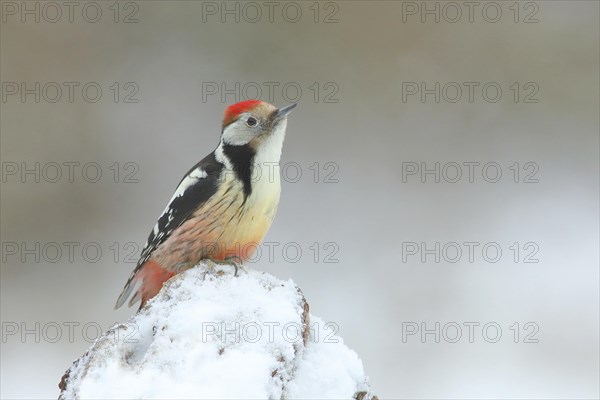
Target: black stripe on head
<point>241,158</point>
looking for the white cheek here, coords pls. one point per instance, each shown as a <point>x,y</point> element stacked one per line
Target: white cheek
<point>237,134</point>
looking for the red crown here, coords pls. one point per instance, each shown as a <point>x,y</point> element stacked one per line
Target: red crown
<point>233,111</point>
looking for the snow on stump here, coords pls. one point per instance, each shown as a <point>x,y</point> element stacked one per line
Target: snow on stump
<point>208,334</point>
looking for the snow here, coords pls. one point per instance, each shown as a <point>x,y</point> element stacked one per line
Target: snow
<point>209,334</point>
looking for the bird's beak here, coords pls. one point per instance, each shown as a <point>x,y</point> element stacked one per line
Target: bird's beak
<point>284,112</point>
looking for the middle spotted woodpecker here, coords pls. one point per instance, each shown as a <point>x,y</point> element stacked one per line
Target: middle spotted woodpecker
<point>223,207</point>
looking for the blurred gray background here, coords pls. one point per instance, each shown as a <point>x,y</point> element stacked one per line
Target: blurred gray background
<point>357,54</point>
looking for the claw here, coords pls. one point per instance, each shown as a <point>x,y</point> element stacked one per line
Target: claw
<point>228,261</point>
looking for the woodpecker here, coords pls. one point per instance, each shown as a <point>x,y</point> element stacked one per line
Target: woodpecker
<point>223,207</point>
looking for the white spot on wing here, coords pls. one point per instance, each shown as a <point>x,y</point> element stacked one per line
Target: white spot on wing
<point>188,181</point>
<point>198,173</point>
<point>191,179</point>
<point>222,158</point>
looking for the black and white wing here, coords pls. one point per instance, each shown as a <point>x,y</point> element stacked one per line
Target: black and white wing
<point>196,187</point>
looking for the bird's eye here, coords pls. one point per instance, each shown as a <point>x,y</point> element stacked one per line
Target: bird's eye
<point>251,121</point>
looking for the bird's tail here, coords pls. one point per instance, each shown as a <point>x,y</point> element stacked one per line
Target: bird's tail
<point>129,286</point>
<point>148,279</point>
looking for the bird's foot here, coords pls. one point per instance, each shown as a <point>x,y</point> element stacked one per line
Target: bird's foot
<point>233,261</point>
